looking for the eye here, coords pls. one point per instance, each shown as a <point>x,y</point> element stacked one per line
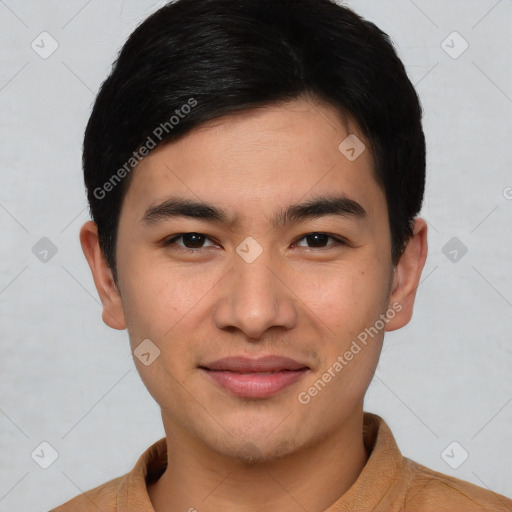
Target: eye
<point>190,241</point>
<point>319,240</point>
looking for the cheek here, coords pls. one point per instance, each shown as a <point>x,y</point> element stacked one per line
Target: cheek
<point>165,302</point>
<point>346,300</point>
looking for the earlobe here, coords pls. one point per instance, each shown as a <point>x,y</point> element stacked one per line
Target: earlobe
<point>113,314</point>
<point>407,274</point>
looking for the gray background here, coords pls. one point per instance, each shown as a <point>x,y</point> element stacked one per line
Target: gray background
<point>69,380</point>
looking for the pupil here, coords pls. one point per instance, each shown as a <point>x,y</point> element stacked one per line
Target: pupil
<point>317,237</point>
<point>193,240</point>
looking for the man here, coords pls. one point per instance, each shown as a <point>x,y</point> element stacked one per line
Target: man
<point>255,169</point>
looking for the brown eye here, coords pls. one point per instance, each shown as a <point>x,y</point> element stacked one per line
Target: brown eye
<point>319,240</point>
<point>189,241</point>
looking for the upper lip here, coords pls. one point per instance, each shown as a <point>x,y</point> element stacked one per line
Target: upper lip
<point>244,364</point>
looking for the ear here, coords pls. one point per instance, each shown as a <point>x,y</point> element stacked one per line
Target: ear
<point>113,314</point>
<point>407,275</point>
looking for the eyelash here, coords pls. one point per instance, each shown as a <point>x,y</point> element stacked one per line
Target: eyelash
<point>171,241</point>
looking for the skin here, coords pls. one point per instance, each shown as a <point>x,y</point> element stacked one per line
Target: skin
<point>297,299</point>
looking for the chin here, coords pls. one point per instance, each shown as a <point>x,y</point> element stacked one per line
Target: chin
<point>258,452</point>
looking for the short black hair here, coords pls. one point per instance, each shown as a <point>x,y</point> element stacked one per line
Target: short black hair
<point>193,61</point>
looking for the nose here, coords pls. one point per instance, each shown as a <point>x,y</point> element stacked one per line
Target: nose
<point>257,296</point>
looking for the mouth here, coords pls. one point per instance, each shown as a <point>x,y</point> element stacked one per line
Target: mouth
<point>255,378</point>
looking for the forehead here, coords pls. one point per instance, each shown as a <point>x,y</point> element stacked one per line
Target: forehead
<point>258,159</point>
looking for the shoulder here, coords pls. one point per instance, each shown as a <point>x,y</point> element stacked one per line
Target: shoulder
<point>103,497</point>
<point>128,491</point>
<point>431,490</point>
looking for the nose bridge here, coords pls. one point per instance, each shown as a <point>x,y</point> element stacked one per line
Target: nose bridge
<point>255,298</point>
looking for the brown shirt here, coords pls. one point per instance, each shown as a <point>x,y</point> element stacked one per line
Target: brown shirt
<point>389,482</point>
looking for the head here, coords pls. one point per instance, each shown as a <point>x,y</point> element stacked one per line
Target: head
<point>284,139</point>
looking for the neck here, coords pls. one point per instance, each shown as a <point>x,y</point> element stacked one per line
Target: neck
<point>312,478</point>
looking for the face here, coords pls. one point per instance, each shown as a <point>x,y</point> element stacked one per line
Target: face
<point>255,279</point>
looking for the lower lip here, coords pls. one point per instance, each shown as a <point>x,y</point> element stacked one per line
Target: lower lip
<point>256,385</point>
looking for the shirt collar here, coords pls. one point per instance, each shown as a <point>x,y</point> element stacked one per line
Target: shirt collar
<point>382,482</point>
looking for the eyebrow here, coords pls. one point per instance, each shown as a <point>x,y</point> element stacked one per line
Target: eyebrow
<point>317,207</point>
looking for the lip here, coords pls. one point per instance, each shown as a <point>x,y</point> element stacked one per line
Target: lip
<point>244,364</point>
<point>255,378</point>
